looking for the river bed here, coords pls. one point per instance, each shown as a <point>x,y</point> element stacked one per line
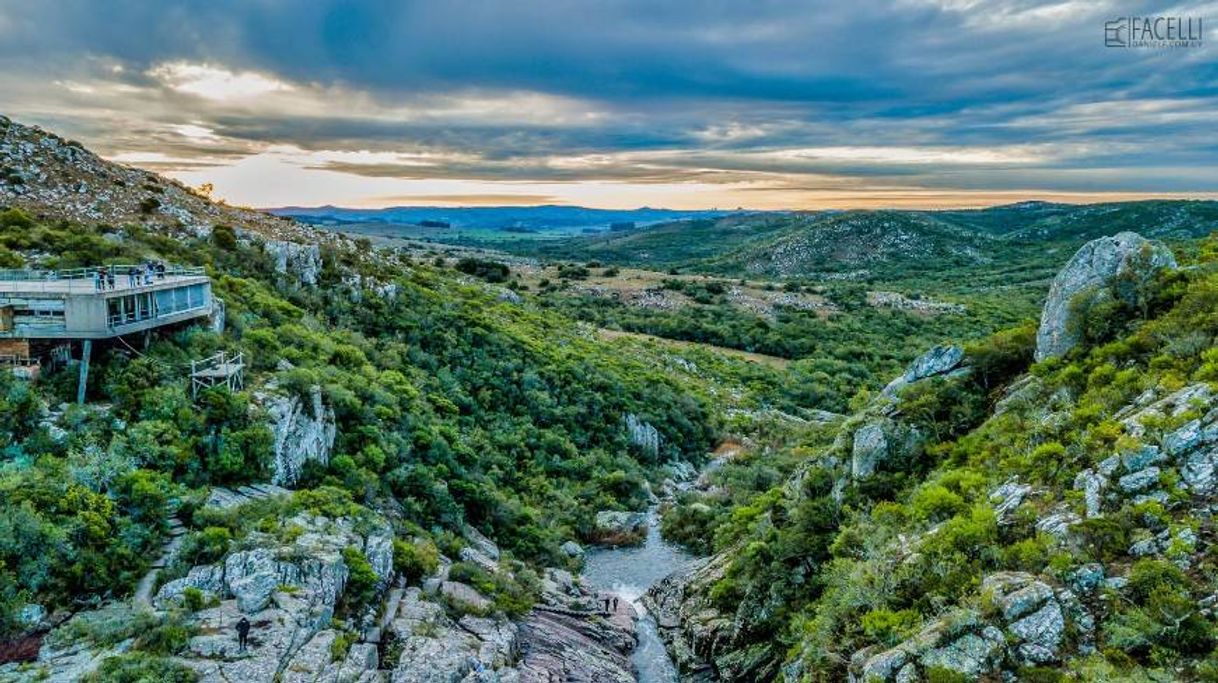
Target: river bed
<point>629,572</point>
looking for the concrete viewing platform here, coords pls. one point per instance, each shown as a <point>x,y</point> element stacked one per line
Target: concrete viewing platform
<point>101,302</point>
<point>79,304</point>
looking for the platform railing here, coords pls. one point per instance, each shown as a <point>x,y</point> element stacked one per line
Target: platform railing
<point>87,279</point>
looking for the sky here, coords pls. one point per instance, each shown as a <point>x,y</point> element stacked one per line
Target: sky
<point>623,103</point>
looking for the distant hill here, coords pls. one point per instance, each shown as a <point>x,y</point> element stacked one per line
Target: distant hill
<point>518,219</point>
<point>672,243</point>
<point>1162,219</point>
<point>860,241</point>
<point>1020,240</point>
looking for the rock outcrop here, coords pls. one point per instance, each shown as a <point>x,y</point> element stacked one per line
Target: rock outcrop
<point>938,361</point>
<point>303,431</point>
<point>1121,266</point>
<point>642,435</point>
<point>693,630</point>
<point>1030,626</point>
<point>300,260</point>
<point>880,440</point>
<point>311,566</point>
<point>1191,448</point>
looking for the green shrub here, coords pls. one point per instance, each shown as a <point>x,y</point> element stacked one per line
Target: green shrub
<point>415,560</point>
<point>889,628</point>
<point>141,667</point>
<point>168,638</point>
<point>361,581</point>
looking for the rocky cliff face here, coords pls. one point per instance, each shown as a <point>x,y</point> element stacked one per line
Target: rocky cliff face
<point>706,643</point>
<point>1119,266</point>
<point>302,261</point>
<point>304,431</point>
<point>642,435</point>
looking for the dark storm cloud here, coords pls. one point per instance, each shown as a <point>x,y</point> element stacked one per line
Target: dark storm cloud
<point>665,90</point>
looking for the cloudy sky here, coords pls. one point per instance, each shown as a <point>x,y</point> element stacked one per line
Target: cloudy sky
<point>622,103</point>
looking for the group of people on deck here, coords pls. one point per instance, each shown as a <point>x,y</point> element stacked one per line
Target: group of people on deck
<point>104,277</point>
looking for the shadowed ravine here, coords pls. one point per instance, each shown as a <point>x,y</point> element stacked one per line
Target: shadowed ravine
<point>629,572</point>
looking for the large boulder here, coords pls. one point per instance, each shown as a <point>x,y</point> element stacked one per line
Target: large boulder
<point>1121,264</point>
<point>614,527</point>
<point>880,440</point>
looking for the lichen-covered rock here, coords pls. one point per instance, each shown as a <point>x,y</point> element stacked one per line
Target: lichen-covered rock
<point>614,527</point>
<point>311,566</point>
<point>1119,263</point>
<point>881,440</point>
<point>303,431</point>
<point>301,260</point>
<point>1008,497</point>
<point>218,318</point>
<point>1031,621</point>
<point>465,597</point>
<point>642,435</point>
<point>938,361</point>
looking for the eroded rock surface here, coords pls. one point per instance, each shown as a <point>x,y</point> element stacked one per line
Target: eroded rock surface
<point>1120,264</point>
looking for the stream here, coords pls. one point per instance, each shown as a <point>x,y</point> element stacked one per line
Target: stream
<point>629,572</point>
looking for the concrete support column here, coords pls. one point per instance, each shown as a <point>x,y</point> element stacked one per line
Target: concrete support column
<point>86,348</point>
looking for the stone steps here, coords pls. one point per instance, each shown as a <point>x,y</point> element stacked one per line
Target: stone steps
<point>225,498</point>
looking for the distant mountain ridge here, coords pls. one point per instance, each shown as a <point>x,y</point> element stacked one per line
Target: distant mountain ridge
<point>539,218</point>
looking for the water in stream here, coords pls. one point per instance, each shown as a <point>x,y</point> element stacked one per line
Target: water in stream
<point>629,572</point>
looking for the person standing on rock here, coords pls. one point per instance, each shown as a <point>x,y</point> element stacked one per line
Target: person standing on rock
<point>615,604</point>
<point>243,631</point>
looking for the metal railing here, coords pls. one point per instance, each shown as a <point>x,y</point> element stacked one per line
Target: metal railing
<point>15,360</point>
<point>88,279</point>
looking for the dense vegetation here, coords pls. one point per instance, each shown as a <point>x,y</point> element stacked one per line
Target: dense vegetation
<point>456,405</point>
<point>462,409</point>
<point>817,574</point>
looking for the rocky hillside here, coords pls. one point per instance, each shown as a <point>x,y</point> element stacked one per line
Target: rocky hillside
<point>56,179</point>
<point>399,493</point>
<point>988,517</point>
<point>1017,240</point>
<point>860,243</point>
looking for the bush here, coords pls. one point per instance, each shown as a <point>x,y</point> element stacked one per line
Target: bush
<point>224,237</point>
<point>888,627</point>
<point>168,638</point>
<point>140,667</point>
<point>361,581</point>
<point>491,271</point>
<point>415,560</point>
